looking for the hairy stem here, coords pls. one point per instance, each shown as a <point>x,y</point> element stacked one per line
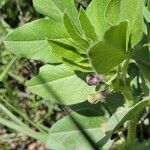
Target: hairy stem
<point>126,92</point>
<point>128,95</point>
<point>131,134</point>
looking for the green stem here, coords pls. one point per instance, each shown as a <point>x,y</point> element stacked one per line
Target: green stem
<point>125,67</point>
<point>8,67</point>
<point>128,95</point>
<point>24,130</point>
<point>16,77</point>
<point>126,90</point>
<point>23,116</point>
<point>131,134</point>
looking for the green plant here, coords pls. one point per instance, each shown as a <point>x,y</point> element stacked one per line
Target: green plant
<point>101,55</point>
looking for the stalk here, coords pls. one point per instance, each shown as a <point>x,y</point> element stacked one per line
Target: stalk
<point>131,134</point>
<point>131,138</point>
<point>23,116</point>
<point>8,67</point>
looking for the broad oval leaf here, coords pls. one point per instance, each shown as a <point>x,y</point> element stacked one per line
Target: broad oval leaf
<point>63,50</point>
<point>56,8</point>
<point>48,8</point>
<point>69,136</point>
<point>113,11</point>
<point>75,34</point>
<point>95,12</point>
<point>67,54</point>
<point>87,26</point>
<point>110,52</point>
<point>30,40</point>
<point>60,84</point>
<point>117,35</point>
<point>131,10</point>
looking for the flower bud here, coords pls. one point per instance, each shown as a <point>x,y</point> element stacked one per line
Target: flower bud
<point>104,94</point>
<point>93,79</point>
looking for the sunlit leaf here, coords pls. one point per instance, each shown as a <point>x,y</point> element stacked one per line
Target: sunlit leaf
<point>110,52</point>
<point>30,40</point>
<point>95,12</point>
<point>60,84</point>
<point>71,137</point>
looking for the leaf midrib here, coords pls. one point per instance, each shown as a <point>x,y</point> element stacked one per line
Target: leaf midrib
<point>74,131</point>
<point>47,82</point>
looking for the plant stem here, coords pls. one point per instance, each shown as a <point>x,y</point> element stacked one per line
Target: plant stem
<point>126,90</point>
<point>24,130</point>
<point>23,116</point>
<point>5,72</point>
<point>128,95</point>
<point>125,67</point>
<point>131,134</point>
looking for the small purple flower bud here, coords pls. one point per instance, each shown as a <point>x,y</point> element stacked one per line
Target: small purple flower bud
<point>104,93</point>
<point>93,79</point>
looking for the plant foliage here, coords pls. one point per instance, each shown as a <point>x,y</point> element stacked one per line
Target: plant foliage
<point>90,57</point>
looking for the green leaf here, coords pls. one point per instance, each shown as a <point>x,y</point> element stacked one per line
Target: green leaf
<point>60,84</point>
<point>121,116</point>
<point>110,52</point>
<point>48,8</point>
<point>62,50</point>
<point>114,101</point>
<point>67,54</point>
<point>2,3</point>
<point>116,36</point>
<point>142,57</point>
<point>88,109</point>
<point>113,11</point>
<point>30,40</point>
<point>95,12</point>
<point>66,133</point>
<point>87,27</point>
<point>131,10</point>
<point>56,8</point>
<point>82,66</point>
<point>75,34</point>
<point>146,14</point>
